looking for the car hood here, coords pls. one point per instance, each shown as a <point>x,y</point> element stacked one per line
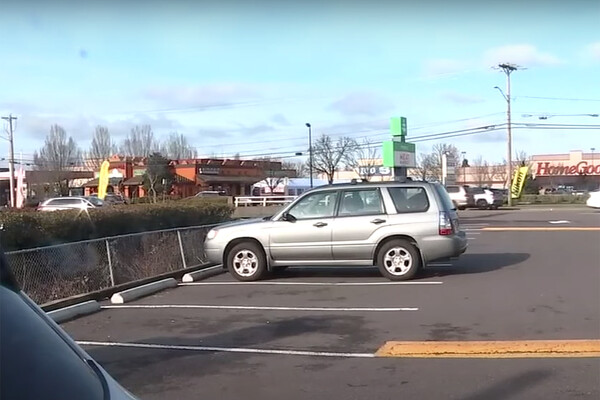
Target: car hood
<point>237,224</point>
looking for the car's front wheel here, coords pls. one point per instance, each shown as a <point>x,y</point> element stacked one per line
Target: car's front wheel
<point>246,262</point>
<point>398,260</point>
<point>482,204</point>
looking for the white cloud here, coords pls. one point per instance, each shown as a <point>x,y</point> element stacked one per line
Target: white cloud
<point>205,96</point>
<point>461,98</point>
<point>525,55</point>
<point>442,66</point>
<point>362,103</point>
<point>592,51</point>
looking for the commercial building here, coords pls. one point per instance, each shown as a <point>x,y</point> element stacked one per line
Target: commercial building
<point>576,170</point>
<point>231,176</point>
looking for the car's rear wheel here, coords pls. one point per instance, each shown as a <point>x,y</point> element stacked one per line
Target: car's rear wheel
<point>246,262</point>
<point>482,204</point>
<point>398,260</point>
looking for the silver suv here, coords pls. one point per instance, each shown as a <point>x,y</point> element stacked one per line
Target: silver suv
<point>400,227</point>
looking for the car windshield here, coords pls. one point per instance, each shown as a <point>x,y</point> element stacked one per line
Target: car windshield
<point>95,201</point>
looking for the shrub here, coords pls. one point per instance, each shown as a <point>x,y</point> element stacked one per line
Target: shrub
<point>33,229</point>
<point>552,199</point>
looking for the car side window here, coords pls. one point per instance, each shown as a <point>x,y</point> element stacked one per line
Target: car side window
<point>452,189</point>
<point>361,202</point>
<point>409,199</point>
<point>315,205</point>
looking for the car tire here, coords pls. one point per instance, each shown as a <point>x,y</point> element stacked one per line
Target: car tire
<point>246,262</point>
<point>398,260</point>
<point>462,208</point>
<point>482,204</point>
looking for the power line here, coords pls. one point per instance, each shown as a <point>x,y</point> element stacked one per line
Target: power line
<point>555,98</point>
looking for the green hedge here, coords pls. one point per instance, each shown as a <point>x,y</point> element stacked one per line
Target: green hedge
<point>25,229</point>
<point>552,199</point>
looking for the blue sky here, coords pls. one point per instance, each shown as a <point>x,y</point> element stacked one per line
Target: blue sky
<point>244,77</point>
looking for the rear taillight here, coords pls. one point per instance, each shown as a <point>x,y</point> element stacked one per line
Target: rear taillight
<point>445,227</point>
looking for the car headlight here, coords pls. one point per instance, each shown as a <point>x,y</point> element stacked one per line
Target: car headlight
<point>211,234</point>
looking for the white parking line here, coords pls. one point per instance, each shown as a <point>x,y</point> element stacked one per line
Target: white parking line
<point>227,349</point>
<point>315,283</point>
<point>262,308</point>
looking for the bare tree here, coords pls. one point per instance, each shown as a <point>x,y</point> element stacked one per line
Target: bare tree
<point>300,168</point>
<point>482,171</point>
<point>140,142</point>
<point>59,155</point>
<point>273,173</point>
<point>101,149</point>
<point>521,158</point>
<point>499,171</point>
<point>364,159</point>
<point>177,147</point>
<point>428,167</point>
<point>329,155</point>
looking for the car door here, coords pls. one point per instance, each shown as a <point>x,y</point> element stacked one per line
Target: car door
<point>360,214</point>
<point>304,234</point>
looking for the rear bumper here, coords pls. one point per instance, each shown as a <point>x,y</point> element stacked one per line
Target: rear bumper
<point>442,247</point>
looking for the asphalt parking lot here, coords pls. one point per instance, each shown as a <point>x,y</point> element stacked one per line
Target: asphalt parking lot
<point>314,333</point>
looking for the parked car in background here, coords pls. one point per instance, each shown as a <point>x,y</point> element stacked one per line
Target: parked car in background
<point>210,193</point>
<point>502,192</point>
<point>594,199</point>
<point>112,198</point>
<point>70,203</point>
<point>485,198</point>
<point>460,197</point>
<point>399,227</point>
<point>39,359</point>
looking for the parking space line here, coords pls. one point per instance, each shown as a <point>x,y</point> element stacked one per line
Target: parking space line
<point>227,349</point>
<point>318,283</point>
<point>540,228</point>
<point>492,349</point>
<point>262,308</point>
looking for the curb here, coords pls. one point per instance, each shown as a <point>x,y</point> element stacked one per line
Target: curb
<point>76,310</point>
<point>203,274</point>
<point>144,290</point>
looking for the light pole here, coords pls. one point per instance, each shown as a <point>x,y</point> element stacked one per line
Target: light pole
<point>464,167</point>
<point>592,149</point>
<point>11,161</point>
<point>508,69</point>
<point>310,158</point>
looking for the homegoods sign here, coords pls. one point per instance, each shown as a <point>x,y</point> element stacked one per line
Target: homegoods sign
<point>581,168</point>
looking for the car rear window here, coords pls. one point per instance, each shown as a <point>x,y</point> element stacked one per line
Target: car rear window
<point>444,197</point>
<point>475,190</point>
<point>409,199</point>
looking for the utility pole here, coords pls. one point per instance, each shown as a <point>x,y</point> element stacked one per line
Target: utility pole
<point>508,69</point>
<point>11,160</point>
<point>310,155</point>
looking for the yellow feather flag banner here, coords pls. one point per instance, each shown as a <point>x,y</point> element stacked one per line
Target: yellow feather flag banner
<point>518,181</point>
<point>103,180</point>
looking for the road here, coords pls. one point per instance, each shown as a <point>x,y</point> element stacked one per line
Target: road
<point>313,333</point>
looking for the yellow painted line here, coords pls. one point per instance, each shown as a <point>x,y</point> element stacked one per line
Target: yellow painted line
<point>540,228</point>
<point>492,349</point>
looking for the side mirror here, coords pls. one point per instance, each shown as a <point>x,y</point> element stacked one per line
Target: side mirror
<point>288,217</point>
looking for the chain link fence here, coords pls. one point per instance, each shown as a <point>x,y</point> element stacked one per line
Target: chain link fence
<point>55,272</point>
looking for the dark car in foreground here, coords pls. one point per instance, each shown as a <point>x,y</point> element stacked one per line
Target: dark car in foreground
<point>39,360</point>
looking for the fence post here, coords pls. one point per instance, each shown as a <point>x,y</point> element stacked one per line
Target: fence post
<point>110,268</point>
<point>181,249</point>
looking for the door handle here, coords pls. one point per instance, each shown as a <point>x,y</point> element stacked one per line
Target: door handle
<point>378,221</point>
<point>320,224</point>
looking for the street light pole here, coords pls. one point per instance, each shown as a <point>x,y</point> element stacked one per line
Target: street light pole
<point>310,157</point>
<point>464,167</point>
<point>508,69</point>
<point>11,161</point>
